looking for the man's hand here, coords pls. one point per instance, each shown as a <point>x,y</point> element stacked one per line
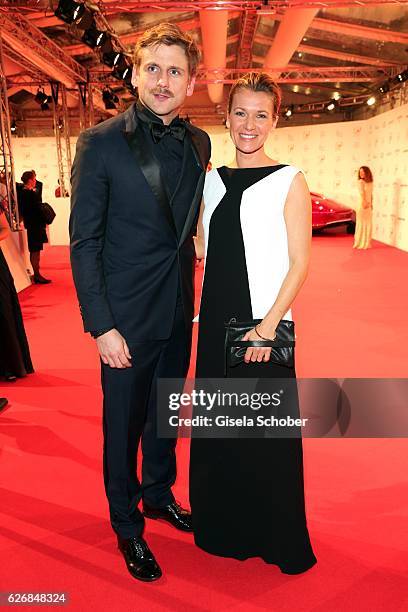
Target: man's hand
<point>113,350</point>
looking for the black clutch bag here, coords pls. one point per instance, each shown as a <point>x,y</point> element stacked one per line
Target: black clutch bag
<point>282,346</point>
<point>47,212</point>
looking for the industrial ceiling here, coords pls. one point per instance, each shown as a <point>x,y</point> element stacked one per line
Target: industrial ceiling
<point>317,50</point>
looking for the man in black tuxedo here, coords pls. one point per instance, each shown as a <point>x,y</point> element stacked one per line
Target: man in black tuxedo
<point>137,182</point>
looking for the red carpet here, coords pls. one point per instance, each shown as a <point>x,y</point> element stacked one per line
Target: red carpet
<point>54,529</point>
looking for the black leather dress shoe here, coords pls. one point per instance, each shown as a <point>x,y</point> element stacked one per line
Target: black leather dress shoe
<point>3,402</point>
<point>173,514</point>
<point>139,559</point>
<point>40,280</point>
<point>10,377</point>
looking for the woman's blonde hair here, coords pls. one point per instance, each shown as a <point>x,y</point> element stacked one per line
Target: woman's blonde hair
<point>258,81</point>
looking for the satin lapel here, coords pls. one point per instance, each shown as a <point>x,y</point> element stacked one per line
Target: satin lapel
<point>198,149</point>
<point>195,203</point>
<point>199,155</point>
<point>150,168</point>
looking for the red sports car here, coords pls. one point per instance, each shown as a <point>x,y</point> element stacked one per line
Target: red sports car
<point>329,213</point>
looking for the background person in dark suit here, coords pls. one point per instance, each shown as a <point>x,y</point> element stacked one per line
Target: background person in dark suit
<point>38,185</point>
<point>137,182</point>
<point>29,203</point>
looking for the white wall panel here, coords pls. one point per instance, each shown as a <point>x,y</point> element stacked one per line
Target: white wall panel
<point>330,154</point>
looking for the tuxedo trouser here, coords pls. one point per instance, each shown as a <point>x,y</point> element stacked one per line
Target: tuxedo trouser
<point>130,415</point>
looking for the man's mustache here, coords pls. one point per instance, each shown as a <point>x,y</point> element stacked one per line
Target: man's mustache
<point>162,92</point>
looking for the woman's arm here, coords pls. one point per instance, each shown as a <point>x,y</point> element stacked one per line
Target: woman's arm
<point>199,238</point>
<point>298,219</point>
<point>362,189</point>
<point>4,226</point>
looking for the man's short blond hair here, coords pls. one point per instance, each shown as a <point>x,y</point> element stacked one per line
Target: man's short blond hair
<point>168,34</point>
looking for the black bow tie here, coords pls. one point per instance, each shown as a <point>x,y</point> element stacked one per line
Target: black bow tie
<point>159,130</point>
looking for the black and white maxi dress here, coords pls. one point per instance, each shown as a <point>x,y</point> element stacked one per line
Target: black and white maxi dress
<point>246,494</point>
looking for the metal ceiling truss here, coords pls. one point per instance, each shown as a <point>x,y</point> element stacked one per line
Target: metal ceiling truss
<point>305,107</point>
<point>339,74</point>
<point>35,48</point>
<point>393,97</point>
<point>131,37</point>
<point>249,22</point>
<point>62,134</point>
<point>262,6</point>
<point>310,74</point>
<point>357,30</point>
<point>28,68</point>
<point>313,107</point>
<point>23,36</point>
<point>337,54</point>
<point>6,150</point>
<point>342,56</point>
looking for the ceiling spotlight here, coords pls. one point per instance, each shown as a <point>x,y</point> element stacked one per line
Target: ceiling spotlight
<point>60,124</point>
<point>42,99</point>
<point>40,96</point>
<point>402,76</point>
<point>86,20</point>
<point>45,104</point>
<point>289,111</point>
<point>106,46</point>
<point>111,58</point>
<point>300,54</point>
<point>13,127</point>
<point>384,88</point>
<point>94,38</point>
<point>109,98</point>
<point>70,11</point>
<point>331,106</point>
<point>122,69</point>
<point>336,95</point>
<point>371,101</point>
<point>127,73</point>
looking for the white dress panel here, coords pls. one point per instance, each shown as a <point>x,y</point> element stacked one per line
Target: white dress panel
<point>263,230</point>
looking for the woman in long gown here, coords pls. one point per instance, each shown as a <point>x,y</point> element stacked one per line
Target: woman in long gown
<point>247,494</point>
<point>364,213</point>
<point>15,360</point>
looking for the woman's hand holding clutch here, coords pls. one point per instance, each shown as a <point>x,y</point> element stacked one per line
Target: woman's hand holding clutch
<point>247,341</point>
<point>254,353</point>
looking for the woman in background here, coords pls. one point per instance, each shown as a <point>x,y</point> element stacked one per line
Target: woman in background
<point>364,214</point>
<point>15,360</point>
<point>29,201</point>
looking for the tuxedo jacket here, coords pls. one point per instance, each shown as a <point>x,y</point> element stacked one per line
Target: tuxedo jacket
<point>39,188</point>
<point>128,257</point>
